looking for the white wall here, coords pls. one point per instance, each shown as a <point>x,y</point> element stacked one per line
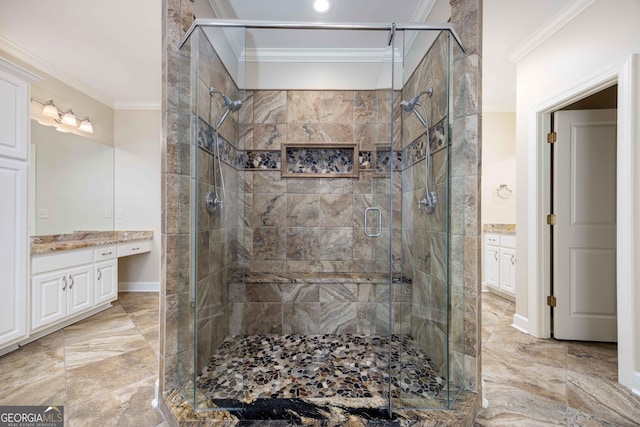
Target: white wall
<point>498,167</point>
<point>137,189</point>
<point>604,34</point>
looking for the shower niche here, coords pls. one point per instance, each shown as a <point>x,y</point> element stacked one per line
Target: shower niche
<point>313,282</point>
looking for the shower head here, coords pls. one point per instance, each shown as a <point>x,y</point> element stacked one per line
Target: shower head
<point>232,105</point>
<point>411,105</point>
<point>229,105</point>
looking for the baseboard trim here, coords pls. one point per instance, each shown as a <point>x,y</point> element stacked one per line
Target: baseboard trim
<point>520,323</point>
<point>139,287</point>
<point>636,383</point>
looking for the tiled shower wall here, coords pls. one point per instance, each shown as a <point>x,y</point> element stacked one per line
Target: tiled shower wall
<point>317,224</point>
<point>424,234</point>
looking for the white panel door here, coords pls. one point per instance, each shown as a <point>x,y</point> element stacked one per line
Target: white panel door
<point>585,233</point>
<point>13,250</point>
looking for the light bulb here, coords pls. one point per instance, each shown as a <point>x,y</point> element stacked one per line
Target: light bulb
<point>86,126</point>
<point>50,109</point>
<point>322,7</point>
<point>69,119</point>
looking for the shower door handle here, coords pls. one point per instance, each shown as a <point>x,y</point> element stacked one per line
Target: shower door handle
<point>366,222</point>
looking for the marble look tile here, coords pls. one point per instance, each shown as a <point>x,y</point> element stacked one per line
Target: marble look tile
<point>366,107</point>
<point>303,210</point>
<point>107,334</point>
<point>336,210</point>
<point>263,318</point>
<point>335,132</point>
<point>338,318</point>
<point>525,373</point>
<point>335,243</point>
<point>303,106</point>
<point>339,292</point>
<point>269,210</point>
<point>109,375</point>
<point>301,318</point>
<point>269,243</point>
<point>598,359</point>
<point>263,292</point>
<point>300,292</point>
<point>270,106</point>
<point>579,418</point>
<point>606,400</point>
<point>128,406</point>
<point>510,406</point>
<point>302,244</point>
<point>267,182</point>
<point>269,136</point>
<point>336,106</point>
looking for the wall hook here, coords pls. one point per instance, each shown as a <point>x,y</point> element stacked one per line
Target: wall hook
<point>504,192</point>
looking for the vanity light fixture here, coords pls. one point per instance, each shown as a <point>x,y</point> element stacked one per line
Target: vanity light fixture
<point>69,118</point>
<point>58,118</point>
<point>50,109</point>
<point>86,126</point>
<point>322,7</point>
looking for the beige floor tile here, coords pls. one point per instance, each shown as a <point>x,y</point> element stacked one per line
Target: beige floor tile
<point>89,381</point>
<point>129,406</point>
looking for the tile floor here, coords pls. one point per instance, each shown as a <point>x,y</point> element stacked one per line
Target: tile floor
<point>103,369</point>
<point>535,382</point>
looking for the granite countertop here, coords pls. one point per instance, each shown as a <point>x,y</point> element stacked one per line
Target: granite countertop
<point>509,229</point>
<point>84,239</point>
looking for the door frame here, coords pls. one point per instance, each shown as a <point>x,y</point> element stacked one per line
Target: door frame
<point>538,271</point>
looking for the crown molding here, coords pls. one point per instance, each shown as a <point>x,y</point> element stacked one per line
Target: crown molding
<point>137,105</point>
<point>42,65</point>
<point>17,71</point>
<point>559,20</point>
<point>318,55</point>
<point>423,10</point>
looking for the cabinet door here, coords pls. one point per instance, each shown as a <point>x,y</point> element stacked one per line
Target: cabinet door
<point>80,290</point>
<point>508,270</point>
<point>106,281</point>
<point>13,250</point>
<point>48,298</point>
<point>491,266</point>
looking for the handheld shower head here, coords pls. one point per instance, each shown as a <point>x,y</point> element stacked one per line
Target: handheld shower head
<point>230,105</point>
<point>411,105</point>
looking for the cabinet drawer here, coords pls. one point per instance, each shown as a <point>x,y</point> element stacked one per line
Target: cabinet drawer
<point>57,261</point>
<point>508,241</point>
<point>104,253</point>
<point>492,239</point>
<point>134,248</point>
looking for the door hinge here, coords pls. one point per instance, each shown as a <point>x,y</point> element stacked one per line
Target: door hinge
<point>552,137</point>
<point>551,219</point>
<point>551,301</point>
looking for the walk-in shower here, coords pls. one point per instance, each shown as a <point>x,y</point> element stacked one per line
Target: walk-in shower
<point>320,290</point>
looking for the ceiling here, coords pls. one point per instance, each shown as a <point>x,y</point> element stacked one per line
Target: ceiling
<point>111,49</point>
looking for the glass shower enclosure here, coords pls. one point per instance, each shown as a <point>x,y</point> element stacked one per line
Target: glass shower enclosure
<point>322,218</point>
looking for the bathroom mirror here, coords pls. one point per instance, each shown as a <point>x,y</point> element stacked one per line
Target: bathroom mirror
<point>71,183</point>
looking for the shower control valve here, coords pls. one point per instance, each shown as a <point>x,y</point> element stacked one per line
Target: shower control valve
<point>429,202</point>
<point>212,202</point>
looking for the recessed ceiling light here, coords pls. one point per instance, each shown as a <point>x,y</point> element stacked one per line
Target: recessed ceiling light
<point>322,7</point>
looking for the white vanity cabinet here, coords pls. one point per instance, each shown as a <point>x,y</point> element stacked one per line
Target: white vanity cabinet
<point>106,274</point>
<point>62,285</point>
<point>500,264</point>
<point>15,88</point>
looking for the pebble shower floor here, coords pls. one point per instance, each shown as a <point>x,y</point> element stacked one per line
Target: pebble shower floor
<point>313,366</point>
